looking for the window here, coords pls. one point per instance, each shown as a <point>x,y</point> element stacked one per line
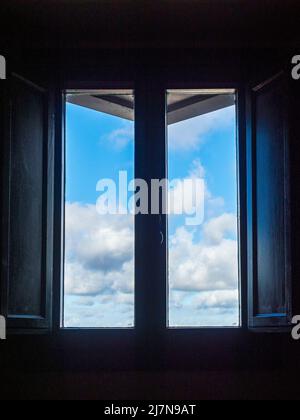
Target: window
<point>99,228</point>
<point>99,220</point>
<point>223,261</point>
<point>203,217</point>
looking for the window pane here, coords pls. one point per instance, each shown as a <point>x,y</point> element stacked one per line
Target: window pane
<point>99,230</point>
<point>203,209</point>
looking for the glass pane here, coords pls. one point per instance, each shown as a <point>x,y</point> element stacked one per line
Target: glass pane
<point>203,209</point>
<point>99,229</point>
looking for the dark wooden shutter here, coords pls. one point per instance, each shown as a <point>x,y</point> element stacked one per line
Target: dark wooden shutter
<point>27,206</point>
<point>269,264</point>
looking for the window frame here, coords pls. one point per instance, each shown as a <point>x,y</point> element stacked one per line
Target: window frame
<point>241,197</point>
<point>64,94</point>
<point>150,101</point>
<point>241,157</point>
<point>59,205</point>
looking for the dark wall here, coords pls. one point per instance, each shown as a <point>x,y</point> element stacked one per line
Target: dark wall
<point>148,23</point>
<point>245,385</point>
<point>231,40</point>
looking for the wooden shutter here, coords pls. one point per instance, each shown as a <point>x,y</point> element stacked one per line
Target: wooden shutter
<point>269,265</point>
<point>27,205</point>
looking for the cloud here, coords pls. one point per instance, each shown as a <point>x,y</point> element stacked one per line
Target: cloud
<point>207,265</point>
<point>190,134</point>
<point>224,299</point>
<point>99,254</point>
<point>203,203</point>
<point>204,309</point>
<point>85,301</point>
<point>99,251</point>
<point>99,242</point>
<point>99,268</point>
<point>215,229</point>
<point>121,137</point>
<point>187,195</point>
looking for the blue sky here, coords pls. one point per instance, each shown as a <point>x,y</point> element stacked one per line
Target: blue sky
<point>99,249</point>
<point>91,154</point>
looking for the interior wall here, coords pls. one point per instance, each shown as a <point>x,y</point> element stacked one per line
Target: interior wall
<point>213,385</point>
<point>64,42</point>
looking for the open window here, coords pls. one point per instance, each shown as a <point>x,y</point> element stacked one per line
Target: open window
<point>119,271</point>
<point>203,219</point>
<point>99,278</point>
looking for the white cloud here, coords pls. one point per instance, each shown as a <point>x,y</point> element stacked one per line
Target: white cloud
<point>99,251</point>
<point>99,269</point>
<point>98,241</point>
<point>189,135</point>
<point>203,204</point>
<point>99,254</point>
<point>204,309</point>
<point>192,195</point>
<point>121,137</point>
<point>186,196</point>
<point>215,229</point>
<point>206,265</point>
<point>224,299</point>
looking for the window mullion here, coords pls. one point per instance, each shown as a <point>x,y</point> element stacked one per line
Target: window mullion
<point>150,229</point>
